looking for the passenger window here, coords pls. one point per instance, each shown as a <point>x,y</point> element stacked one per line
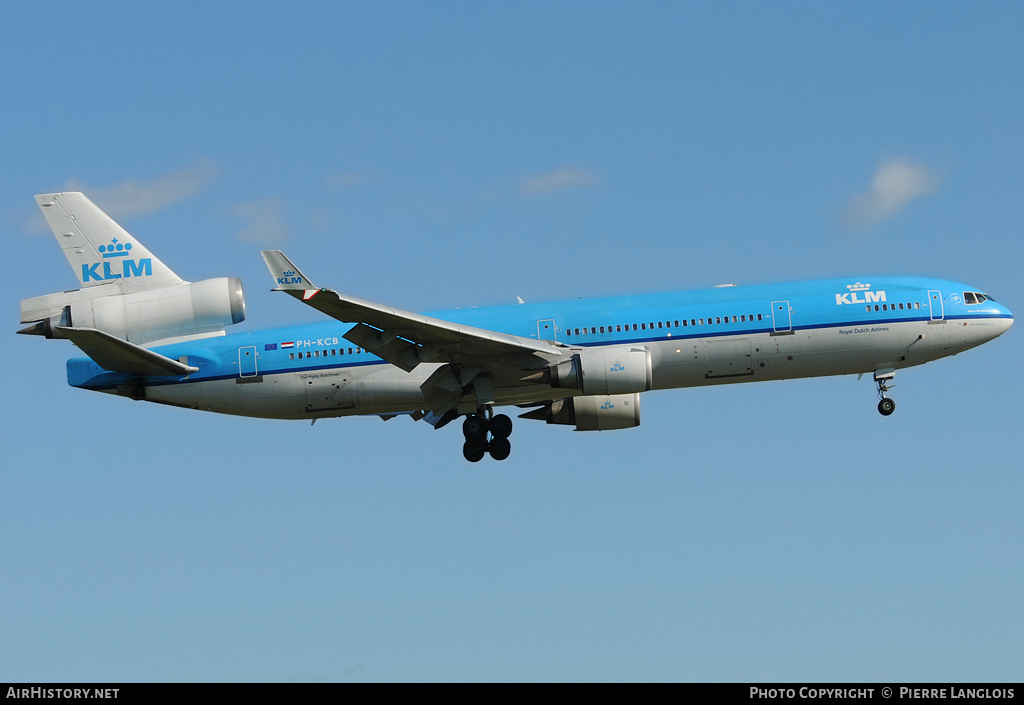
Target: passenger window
<point>676,322</point>
<point>734,319</point>
<point>309,355</point>
<point>717,319</point>
<point>634,326</point>
<point>643,326</point>
<point>618,329</point>
<point>659,325</point>
<point>759,316</point>
<point>876,307</point>
<point>291,356</point>
<point>867,308</point>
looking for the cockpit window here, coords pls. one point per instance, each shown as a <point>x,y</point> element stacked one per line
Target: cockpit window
<point>969,297</point>
<point>974,297</point>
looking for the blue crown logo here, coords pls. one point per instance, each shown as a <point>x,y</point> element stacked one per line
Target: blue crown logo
<point>289,273</point>
<point>858,287</point>
<point>115,249</point>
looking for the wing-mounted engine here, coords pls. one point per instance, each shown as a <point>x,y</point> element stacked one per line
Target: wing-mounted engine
<point>612,369</point>
<point>172,312</point>
<point>591,413</point>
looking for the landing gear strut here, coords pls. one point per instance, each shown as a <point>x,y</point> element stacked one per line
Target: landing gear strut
<point>476,429</point>
<point>885,405</point>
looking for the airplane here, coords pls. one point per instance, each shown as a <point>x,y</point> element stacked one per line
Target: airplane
<point>149,335</point>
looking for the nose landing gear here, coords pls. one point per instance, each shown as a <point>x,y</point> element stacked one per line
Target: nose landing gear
<point>476,429</point>
<point>885,405</point>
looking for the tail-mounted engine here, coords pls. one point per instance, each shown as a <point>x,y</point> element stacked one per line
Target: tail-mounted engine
<point>176,311</point>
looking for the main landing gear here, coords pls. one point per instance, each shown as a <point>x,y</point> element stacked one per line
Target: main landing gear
<point>885,405</point>
<point>477,427</point>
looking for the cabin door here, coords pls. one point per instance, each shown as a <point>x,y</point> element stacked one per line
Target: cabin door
<point>935,303</point>
<point>781,320</point>
<point>247,361</point>
<point>546,329</point>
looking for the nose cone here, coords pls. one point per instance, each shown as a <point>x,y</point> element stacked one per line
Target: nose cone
<point>1005,320</point>
<point>997,320</point>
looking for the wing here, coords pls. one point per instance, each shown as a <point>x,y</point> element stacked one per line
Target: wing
<point>408,339</point>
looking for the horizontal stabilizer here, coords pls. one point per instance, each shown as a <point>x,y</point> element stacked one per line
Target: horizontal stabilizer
<point>116,355</point>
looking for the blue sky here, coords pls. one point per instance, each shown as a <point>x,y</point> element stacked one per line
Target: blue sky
<point>433,155</point>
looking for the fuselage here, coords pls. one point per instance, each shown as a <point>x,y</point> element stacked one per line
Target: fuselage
<point>702,337</point>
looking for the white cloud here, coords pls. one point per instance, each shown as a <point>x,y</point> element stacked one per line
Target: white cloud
<point>895,184</point>
<point>265,224</point>
<point>131,198</point>
<point>562,179</point>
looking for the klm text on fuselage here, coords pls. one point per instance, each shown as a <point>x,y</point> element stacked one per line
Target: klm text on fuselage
<point>870,297</point>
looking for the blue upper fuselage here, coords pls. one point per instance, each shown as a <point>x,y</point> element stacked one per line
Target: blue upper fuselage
<point>721,311</point>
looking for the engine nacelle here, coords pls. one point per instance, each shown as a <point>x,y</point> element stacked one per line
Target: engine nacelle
<point>591,413</point>
<point>619,369</point>
<point>181,310</point>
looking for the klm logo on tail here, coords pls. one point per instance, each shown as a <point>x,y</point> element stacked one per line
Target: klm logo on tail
<point>129,267</point>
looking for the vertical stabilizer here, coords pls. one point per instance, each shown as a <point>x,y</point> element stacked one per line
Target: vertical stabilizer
<point>99,250</point>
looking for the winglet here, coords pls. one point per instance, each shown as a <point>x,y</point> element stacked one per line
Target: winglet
<point>286,275</point>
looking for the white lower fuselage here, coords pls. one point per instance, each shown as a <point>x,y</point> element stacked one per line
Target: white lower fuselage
<point>379,388</point>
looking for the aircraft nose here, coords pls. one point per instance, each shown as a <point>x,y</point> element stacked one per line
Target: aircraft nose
<point>1005,320</point>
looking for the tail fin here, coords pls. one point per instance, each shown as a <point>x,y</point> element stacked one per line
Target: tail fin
<point>99,250</point>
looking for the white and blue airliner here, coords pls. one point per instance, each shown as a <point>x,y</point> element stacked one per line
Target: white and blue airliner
<point>151,336</point>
